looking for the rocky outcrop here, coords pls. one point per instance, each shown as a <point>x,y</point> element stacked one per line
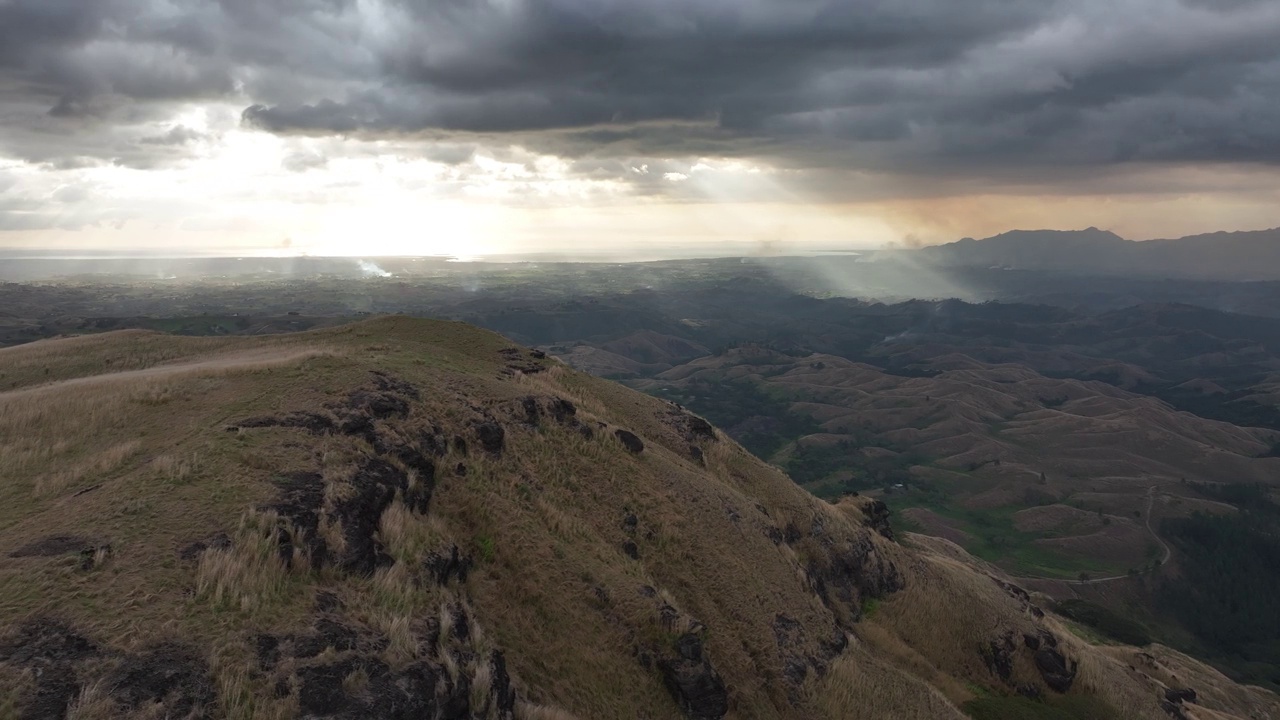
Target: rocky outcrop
<point>843,572</point>
<point>1054,669</point>
<point>878,517</point>
<point>693,682</point>
<point>629,440</point>
<point>171,680</point>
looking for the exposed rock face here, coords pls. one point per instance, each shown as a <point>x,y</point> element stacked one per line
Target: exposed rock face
<point>490,435</point>
<point>1053,668</point>
<point>691,427</point>
<point>629,440</point>
<point>338,672</point>
<point>878,516</point>
<point>695,685</point>
<point>170,677</point>
<point>169,674</point>
<point>527,362</point>
<point>1178,695</point>
<point>843,573</point>
<point>51,651</point>
<point>442,566</point>
<point>998,657</point>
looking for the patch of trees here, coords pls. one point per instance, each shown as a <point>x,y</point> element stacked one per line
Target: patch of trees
<point>810,464</point>
<point>1232,407</point>
<point>1229,593</point>
<point>761,422</point>
<point>1106,621</point>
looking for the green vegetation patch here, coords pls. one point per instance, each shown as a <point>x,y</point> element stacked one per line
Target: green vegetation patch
<point>1106,621</point>
<point>996,540</point>
<point>761,422</point>
<point>832,470</point>
<point>1229,592</point>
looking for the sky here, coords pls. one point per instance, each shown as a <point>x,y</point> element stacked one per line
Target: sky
<point>358,127</point>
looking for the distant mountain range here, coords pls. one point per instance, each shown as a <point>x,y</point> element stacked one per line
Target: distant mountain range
<point>1214,256</point>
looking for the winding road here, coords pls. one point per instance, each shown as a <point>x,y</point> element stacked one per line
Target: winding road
<point>1168,551</point>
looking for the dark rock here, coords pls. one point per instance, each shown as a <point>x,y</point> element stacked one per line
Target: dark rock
<point>379,405</point>
<point>51,650</point>
<point>1178,695</point>
<point>631,549</point>
<point>693,682</point>
<point>878,515</point>
<point>1173,710</point>
<point>53,695</point>
<point>629,440</point>
<point>55,545</point>
<point>531,411</point>
<point>843,574</point>
<point>790,637</point>
<point>700,427</point>
<point>1053,668</point>
<point>46,643</point>
<point>406,695</point>
<point>629,522</point>
<point>320,690</point>
<point>502,692</point>
<point>490,435</point>
<point>648,591</point>
<point>460,470</point>
<point>562,410</point>
<point>1031,641</point>
<point>326,633</point>
<point>460,445</point>
<point>359,425</point>
<point>267,648</point>
<point>791,534</point>
<point>538,354</point>
<point>691,427</point>
<point>299,507</point>
<point>695,452</point>
<point>451,563</point>
<point>194,550</point>
<point>375,482</point>
<point>997,655</point>
<point>169,674</point>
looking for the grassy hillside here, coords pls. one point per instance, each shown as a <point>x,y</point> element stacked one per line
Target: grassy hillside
<point>402,518</point>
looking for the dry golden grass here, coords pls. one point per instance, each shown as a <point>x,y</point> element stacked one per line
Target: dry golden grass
<point>529,711</point>
<point>543,523</point>
<point>250,573</point>
<point>862,687</point>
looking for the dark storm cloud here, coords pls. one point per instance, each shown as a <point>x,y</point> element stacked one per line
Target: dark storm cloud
<point>915,86</point>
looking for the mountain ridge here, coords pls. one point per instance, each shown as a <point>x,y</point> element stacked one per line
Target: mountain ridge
<point>408,518</point>
<point>1241,255</point>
